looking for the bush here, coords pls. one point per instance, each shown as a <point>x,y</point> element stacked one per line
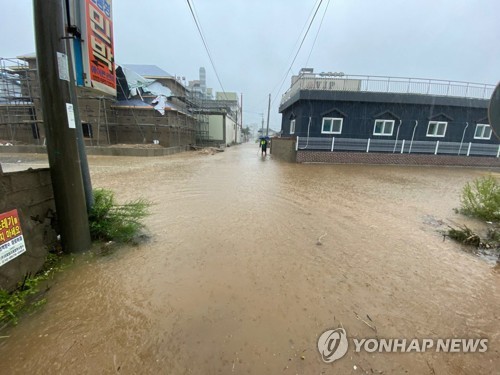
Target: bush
<point>112,222</point>
<point>464,235</point>
<point>481,199</point>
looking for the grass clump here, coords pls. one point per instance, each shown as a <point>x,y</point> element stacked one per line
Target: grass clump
<point>28,296</point>
<point>481,199</point>
<point>110,221</point>
<point>14,303</point>
<point>464,235</point>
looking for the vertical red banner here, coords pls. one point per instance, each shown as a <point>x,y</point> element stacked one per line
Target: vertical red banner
<point>100,45</point>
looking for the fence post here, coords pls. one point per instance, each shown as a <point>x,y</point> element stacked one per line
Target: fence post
<point>402,146</point>
<point>468,150</point>
<point>297,144</point>
<point>368,145</point>
<point>498,152</point>
<point>333,144</point>
<point>437,146</point>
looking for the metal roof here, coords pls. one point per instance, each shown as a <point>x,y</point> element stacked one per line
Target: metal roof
<point>147,70</point>
<point>139,104</point>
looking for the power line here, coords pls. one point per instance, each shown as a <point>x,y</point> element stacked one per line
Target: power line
<point>297,41</point>
<point>317,33</point>
<point>198,26</point>
<point>300,46</point>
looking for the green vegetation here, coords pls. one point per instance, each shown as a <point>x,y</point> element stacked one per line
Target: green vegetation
<point>464,235</point>
<point>481,199</point>
<point>28,296</point>
<point>108,222</point>
<point>112,222</point>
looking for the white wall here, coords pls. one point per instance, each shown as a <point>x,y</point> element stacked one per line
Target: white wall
<point>230,130</point>
<point>215,127</point>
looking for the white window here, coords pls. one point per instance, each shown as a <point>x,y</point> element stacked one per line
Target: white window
<point>292,126</point>
<point>331,125</point>
<point>483,131</point>
<point>436,128</point>
<point>383,127</point>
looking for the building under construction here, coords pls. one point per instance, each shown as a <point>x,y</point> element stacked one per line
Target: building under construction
<point>151,107</point>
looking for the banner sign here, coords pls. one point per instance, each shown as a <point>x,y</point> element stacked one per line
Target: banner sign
<point>11,237</point>
<point>99,43</point>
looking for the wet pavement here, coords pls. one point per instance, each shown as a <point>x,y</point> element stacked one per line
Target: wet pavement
<point>251,259</point>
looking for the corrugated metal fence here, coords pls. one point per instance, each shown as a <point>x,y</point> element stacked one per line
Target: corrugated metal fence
<point>399,146</point>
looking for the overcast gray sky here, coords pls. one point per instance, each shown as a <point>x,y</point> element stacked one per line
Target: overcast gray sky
<point>253,41</point>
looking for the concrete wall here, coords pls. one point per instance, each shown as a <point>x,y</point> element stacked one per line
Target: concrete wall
<point>108,150</point>
<point>284,149</point>
<point>30,192</point>
<point>227,135</point>
<point>401,159</point>
<point>230,131</point>
<point>19,123</point>
<point>121,151</point>
<point>215,127</point>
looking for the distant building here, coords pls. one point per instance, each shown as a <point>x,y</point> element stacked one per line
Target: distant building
<point>150,106</point>
<point>222,114</point>
<point>333,112</point>
<point>272,133</point>
<point>198,88</point>
<point>147,109</point>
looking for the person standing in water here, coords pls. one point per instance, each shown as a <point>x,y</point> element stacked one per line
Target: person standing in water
<point>263,146</point>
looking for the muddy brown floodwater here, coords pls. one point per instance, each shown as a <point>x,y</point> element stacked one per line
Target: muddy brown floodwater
<point>233,279</point>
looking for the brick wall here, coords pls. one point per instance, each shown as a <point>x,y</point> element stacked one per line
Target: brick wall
<point>401,159</point>
<point>30,192</point>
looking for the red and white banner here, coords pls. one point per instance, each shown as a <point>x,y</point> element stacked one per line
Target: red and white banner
<point>99,46</point>
<point>11,237</point>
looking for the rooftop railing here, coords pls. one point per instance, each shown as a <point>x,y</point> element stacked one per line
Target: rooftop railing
<point>397,85</point>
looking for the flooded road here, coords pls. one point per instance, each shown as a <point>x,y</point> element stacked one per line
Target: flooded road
<point>251,259</point>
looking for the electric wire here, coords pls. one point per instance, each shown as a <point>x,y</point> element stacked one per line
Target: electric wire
<point>317,33</point>
<point>297,42</point>
<point>198,26</point>
<point>298,50</point>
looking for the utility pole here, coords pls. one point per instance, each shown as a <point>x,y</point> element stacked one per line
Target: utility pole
<point>87,184</point>
<point>241,110</point>
<point>60,125</point>
<point>268,112</point>
<point>236,128</point>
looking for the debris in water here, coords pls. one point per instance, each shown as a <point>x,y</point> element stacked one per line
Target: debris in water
<point>364,321</point>
<point>464,234</point>
<point>318,243</point>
